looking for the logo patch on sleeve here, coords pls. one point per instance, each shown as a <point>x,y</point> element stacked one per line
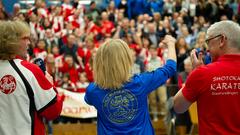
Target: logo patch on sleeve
<point>7,84</point>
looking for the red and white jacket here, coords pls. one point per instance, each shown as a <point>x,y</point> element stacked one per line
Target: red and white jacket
<point>19,114</point>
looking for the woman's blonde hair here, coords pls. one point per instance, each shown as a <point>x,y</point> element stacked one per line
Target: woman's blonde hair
<point>201,36</point>
<point>112,64</point>
<point>10,35</point>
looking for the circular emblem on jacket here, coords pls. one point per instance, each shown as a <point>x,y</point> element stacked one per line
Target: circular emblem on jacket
<point>7,84</point>
<point>120,106</point>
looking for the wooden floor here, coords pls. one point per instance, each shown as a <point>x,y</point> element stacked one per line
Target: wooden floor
<point>90,129</point>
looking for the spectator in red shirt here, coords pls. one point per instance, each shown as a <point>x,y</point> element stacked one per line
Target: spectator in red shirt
<point>70,67</point>
<point>106,26</point>
<point>39,51</point>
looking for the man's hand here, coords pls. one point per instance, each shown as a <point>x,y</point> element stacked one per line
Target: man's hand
<point>196,60</point>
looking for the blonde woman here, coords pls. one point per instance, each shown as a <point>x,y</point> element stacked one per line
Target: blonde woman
<point>200,42</point>
<point>119,96</point>
<point>26,95</point>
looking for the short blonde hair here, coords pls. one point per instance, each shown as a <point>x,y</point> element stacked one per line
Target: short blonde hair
<point>10,35</point>
<point>112,64</point>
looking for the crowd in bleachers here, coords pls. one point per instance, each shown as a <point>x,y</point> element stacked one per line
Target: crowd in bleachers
<point>67,36</point>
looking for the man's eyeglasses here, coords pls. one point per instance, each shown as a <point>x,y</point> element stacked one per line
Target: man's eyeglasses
<point>207,40</point>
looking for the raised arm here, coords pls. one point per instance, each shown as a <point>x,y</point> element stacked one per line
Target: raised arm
<point>180,103</point>
<point>169,42</point>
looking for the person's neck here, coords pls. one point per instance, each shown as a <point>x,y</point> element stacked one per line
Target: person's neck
<point>231,51</point>
<point>20,57</point>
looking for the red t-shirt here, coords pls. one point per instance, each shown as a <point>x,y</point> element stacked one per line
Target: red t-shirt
<point>216,88</point>
<point>107,27</point>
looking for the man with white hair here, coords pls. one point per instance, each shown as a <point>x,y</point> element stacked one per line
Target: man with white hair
<point>216,86</point>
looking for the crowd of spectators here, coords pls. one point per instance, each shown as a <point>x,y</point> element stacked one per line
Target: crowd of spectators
<point>67,36</point>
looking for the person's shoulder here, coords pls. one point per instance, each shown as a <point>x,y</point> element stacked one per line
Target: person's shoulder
<point>199,70</point>
<point>136,77</point>
<point>91,87</point>
<point>136,80</point>
<point>31,70</point>
<point>34,73</point>
<point>30,66</point>
<point>203,71</point>
<point>207,67</point>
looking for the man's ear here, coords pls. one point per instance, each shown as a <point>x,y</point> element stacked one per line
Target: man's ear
<point>223,41</point>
